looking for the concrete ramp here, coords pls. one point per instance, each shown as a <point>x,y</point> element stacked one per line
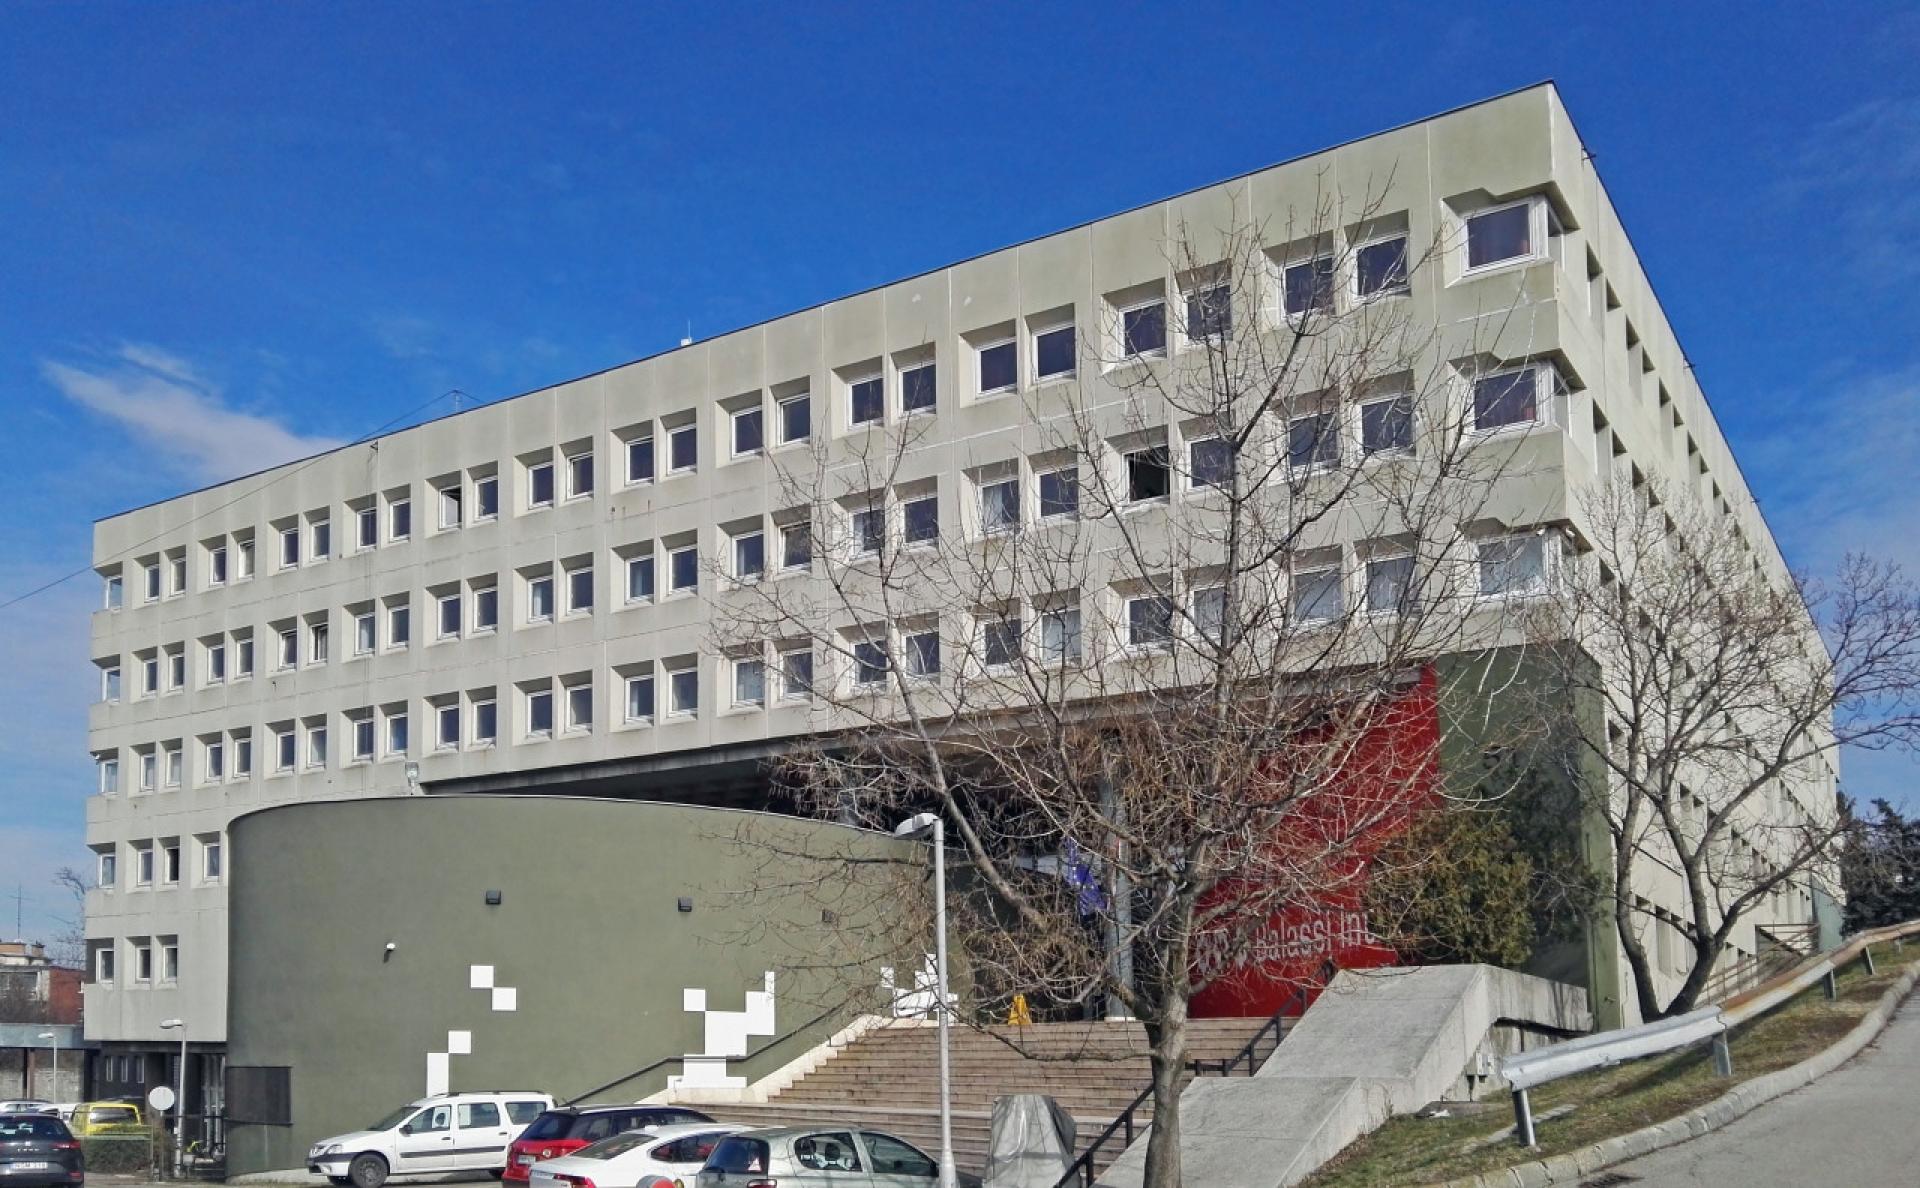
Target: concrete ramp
<point>1375,1044</point>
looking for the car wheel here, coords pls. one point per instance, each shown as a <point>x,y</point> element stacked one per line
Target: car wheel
<point>497,1172</point>
<point>367,1171</point>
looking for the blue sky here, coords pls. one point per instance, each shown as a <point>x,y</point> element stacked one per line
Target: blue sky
<point>229,233</point>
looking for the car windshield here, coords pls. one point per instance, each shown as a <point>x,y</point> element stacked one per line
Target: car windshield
<point>553,1124</point>
<point>394,1119</point>
<point>619,1144</point>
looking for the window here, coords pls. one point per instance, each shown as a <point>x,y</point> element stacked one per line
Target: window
<point>216,664</point>
<point>540,599</point>
<point>579,707</point>
<point>921,651</point>
<point>1380,267</point>
<point>486,607</point>
<point>999,367</point>
<point>580,589</point>
<point>110,683</point>
<point>1000,642</point>
<point>749,682</point>
<point>316,746</point>
<point>243,559</point>
<point>892,1158</point>
<point>212,860</point>
<point>289,547</point>
<point>1210,462</point>
<point>317,637</point>
<point>243,656</point>
<point>796,673</point>
<point>289,647</point>
<point>284,749</point>
<point>1389,584</point>
<point>363,633</point>
<point>1498,235</point>
<point>869,529</point>
<point>640,577</point>
<point>579,476</point>
<point>450,509</point>
<point>109,870</point>
<point>1506,398</point>
<point>366,528</point>
<point>865,401</point>
<point>683,569</point>
<point>1386,426</point>
<point>143,866</point>
<point>869,663</point>
<point>399,625</point>
<point>116,593</point>
<point>540,712</point>
<point>917,388</point>
<point>171,764</point>
<point>400,519</point>
<point>486,722</point>
<point>1060,635</point>
<point>796,546</point>
<point>1308,287</point>
<point>142,961</point>
<point>683,449</point>
<point>1143,329</point>
<point>1313,440</point>
<point>153,581</point>
<point>749,431</point>
<point>150,676</point>
<point>243,754</point>
<point>103,968</point>
<point>177,669</point>
<point>396,732</point>
<point>1210,312</point>
<point>362,728</point>
<point>1210,613</point>
<point>486,497</point>
<point>920,520</point>
<point>216,566</point>
<point>322,533</point>
<point>796,418</point>
<point>1317,595</point>
<point>1000,505</point>
<point>479,1115</point>
<point>109,776</point>
<point>1054,353</point>
<point>1060,492</point>
<point>446,727</point>
<point>640,460</point>
<point>177,574</point>
<point>170,961</point>
<point>540,485</point>
<point>683,690</point>
<point>1513,565</point>
<point>640,698</point>
<point>749,555</point>
<point>449,615</point>
<point>1147,474</point>
<point>1149,621</point>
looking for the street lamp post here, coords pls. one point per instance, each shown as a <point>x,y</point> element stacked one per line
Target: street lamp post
<point>913,827</point>
<point>179,1096</point>
<point>54,1038</point>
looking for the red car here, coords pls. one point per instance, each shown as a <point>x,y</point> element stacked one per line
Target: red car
<point>565,1129</point>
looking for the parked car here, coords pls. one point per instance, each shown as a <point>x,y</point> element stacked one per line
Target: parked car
<point>92,1118</point>
<point>565,1129</point>
<point>26,1105</point>
<point>448,1132</point>
<point>625,1160</point>
<point>819,1157</point>
<point>37,1150</point>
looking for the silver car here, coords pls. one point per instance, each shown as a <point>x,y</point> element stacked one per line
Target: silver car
<point>820,1157</point>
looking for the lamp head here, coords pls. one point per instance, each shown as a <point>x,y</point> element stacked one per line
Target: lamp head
<point>172,1024</point>
<point>916,824</point>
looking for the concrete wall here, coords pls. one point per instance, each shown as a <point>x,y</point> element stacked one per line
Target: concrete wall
<point>588,936</point>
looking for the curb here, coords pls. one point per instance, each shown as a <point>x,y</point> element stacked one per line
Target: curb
<point>1574,1166</point>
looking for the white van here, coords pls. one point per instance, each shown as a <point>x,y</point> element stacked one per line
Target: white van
<point>444,1133</point>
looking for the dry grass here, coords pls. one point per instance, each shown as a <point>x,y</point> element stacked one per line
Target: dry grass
<point>1610,1101</point>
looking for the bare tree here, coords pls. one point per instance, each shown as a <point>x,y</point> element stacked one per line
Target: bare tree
<point>70,942</point>
<point>1726,691</point>
<point>1165,672</point>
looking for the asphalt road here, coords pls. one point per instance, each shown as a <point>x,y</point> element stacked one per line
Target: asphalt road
<point>1858,1126</point>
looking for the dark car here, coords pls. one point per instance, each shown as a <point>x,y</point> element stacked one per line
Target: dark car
<point>566,1129</point>
<point>38,1150</point>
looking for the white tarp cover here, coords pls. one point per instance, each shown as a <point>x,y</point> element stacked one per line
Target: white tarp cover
<point>1031,1144</point>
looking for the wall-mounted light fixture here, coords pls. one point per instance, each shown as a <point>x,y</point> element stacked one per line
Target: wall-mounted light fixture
<point>493,899</point>
<point>686,903</point>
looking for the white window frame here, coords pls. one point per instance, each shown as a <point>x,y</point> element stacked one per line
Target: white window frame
<point>741,666</point>
<point>364,519</point>
<point>440,607</point>
<point>1538,234</point>
<point>980,350</point>
<point>1120,325</point>
<point>553,485</point>
<point>489,482</point>
<point>628,685</point>
<point>452,499</point>
<point>734,417</point>
<point>673,436</point>
<point>533,697</point>
<point>932,406</point>
<point>1152,645</point>
<point>213,760</point>
<point>653,459</point>
<point>534,613</point>
<point>1406,268</point>
<point>678,591</point>
<point>1332,306</point>
<point>738,540</point>
<point>880,417</point>
<point>577,723</point>
<point>1532,590</point>
<point>574,488</point>
<point>479,739</point>
<point>1543,396</point>
<point>781,405</point>
<point>482,595</point>
<point>366,633</point>
<point>1360,431</point>
<point>396,510</point>
<point>1035,334</point>
<point>673,695</point>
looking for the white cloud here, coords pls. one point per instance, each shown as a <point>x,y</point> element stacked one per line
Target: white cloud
<point>168,406</point>
<point>1857,176</point>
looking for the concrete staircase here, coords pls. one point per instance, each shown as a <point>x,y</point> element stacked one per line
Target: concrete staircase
<point>888,1079</point>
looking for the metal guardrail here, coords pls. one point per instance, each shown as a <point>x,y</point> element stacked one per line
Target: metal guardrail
<point>1526,1070</point>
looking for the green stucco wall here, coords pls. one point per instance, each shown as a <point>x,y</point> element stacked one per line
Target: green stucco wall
<point>588,933</point>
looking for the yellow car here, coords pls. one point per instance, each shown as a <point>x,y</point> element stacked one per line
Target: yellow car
<point>107,1117</point>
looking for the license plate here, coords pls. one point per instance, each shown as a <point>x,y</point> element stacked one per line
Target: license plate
<point>30,1166</point>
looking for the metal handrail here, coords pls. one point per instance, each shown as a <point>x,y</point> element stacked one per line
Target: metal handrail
<point>1082,1166</point>
<point>666,1060</point>
<point>1525,1070</point>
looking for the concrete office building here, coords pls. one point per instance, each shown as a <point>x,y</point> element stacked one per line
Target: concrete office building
<point>517,597</point>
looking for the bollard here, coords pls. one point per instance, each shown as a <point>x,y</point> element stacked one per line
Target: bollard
<point>1522,1118</point>
<point>1831,982</point>
<point>1866,955</point>
<point>1722,1056</point>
